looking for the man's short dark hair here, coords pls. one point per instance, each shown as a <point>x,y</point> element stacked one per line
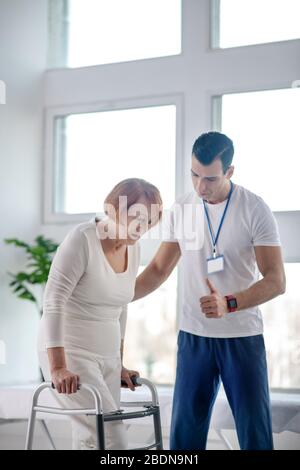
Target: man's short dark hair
<point>212,145</point>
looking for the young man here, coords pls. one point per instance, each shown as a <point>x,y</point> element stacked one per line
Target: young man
<point>220,337</point>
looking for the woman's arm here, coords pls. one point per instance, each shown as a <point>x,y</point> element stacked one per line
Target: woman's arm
<point>63,380</point>
<point>122,350</point>
<point>68,266</point>
<point>126,374</point>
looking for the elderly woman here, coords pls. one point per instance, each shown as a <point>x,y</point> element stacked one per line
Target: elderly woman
<point>91,280</point>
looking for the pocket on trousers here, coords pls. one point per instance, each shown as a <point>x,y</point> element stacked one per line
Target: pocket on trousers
<point>254,346</point>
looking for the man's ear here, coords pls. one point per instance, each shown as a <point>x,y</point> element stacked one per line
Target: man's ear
<point>230,172</point>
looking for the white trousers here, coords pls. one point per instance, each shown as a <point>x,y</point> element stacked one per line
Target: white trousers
<point>105,375</point>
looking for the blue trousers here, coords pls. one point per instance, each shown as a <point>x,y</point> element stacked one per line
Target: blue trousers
<point>201,365</point>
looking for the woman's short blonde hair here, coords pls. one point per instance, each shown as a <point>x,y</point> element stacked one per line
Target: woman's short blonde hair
<point>133,189</point>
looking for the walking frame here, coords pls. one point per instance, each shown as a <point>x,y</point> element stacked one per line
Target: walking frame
<point>146,408</point>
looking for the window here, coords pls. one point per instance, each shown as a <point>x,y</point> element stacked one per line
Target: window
<point>240,23</point>
<point>150,341</point>
<point>93,32</point>
<point>96,150</point>
<point>265,128</point>
<point>282,325</point>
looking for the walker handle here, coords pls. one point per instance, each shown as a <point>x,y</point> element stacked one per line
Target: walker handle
<point>53,386</point>
<point>134,380</point>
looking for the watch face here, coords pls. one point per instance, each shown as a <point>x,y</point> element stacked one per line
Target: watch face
<point>232,303</point>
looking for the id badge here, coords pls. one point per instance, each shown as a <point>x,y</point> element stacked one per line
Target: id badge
<point>214,265</point>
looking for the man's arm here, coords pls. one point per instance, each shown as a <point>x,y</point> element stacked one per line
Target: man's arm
<point>270,264</point>
<point>159,269</point>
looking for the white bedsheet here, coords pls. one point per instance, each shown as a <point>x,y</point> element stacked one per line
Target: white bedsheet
<point>15,404</point>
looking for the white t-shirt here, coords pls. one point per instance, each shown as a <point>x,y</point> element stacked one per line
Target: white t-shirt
<point>249,222</point>
<point>85,300</point>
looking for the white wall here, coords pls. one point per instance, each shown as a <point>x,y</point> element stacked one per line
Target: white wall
<point>197,74</point>
<point>23,50</point>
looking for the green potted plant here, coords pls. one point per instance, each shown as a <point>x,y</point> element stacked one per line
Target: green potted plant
<point>39,257</point>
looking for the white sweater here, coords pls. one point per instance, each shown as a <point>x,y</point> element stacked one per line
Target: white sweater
<point>85,300</point>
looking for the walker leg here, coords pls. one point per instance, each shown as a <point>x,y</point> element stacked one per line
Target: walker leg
<point>47,432</point>
<point>157,429</point>
<point>100,431</point>
<point>30,430</point>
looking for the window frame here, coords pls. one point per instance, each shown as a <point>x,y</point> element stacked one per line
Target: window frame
<point>215,25</point>
<point>59,39</point>
<point>288,221</point>
<point>50,216</point>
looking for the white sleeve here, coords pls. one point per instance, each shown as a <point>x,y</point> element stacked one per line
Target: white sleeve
<point>68,266</point>
<point>123,320</point>
<point>264,226</point>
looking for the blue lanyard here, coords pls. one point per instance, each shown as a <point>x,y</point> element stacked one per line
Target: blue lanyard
<point>215,240</point>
